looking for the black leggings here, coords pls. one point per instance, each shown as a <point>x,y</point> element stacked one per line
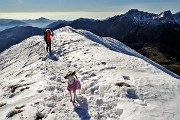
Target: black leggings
<point>48,46</point>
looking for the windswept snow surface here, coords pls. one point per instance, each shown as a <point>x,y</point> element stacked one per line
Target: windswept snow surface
<point>34,81</point>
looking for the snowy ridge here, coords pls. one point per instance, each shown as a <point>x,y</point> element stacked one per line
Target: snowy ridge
<point>115,45</point>
<point>38,86</point>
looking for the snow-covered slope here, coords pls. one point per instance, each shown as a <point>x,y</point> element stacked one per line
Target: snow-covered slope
<point>33,84</point>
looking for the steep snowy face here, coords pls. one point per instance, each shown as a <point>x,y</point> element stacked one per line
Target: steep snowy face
<point>166,14</point>
<point>177,17</point>
<point>167,17</point>
<point>141,17</point>
<point>117,83</point>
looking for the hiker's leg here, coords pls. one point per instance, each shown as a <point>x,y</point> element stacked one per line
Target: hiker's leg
<point>70,96</point>
<point>79,91</point>
<point>50,46</point>
<point>74,95</point>
<point>47,46</point>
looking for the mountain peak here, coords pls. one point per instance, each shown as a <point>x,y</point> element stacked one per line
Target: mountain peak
<point>67,29</point>
<point>85,19</point>
<point>166,14</point>
<point>178,14</point>
<point>132,11</point>
<point>42,19</point>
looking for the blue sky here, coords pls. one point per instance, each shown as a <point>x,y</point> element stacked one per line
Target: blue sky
<point>71,9</point>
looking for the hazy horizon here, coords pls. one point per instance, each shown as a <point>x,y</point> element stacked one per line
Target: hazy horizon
<point>73,9</point>
<point>64,15</point>
<point>59,15</point>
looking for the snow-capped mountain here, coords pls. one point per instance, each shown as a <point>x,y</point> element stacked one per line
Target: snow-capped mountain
<point>120,26</point>
<point>117,82</point>
<point>144,17</point>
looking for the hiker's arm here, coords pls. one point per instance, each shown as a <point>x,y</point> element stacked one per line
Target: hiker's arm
<point>52,33</point>
<point>44,35</point>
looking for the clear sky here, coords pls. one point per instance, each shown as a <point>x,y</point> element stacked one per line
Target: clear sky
<point>72,9</point>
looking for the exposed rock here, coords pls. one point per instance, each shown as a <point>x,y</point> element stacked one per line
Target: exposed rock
<point>39,115</point>
<point>2,104</point>
<point>13,112</point>
<point>121,84</point>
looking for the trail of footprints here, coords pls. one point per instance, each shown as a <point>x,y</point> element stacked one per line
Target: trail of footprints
<point>58,92</point>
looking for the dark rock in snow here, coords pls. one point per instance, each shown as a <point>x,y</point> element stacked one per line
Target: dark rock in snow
<point>2,104</point>
<point>121,84</point>
<point>39,115</point>
<point>13,112</point>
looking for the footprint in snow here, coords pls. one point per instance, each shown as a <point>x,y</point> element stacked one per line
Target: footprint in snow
<point>107,68</point>
<point>126,78</point>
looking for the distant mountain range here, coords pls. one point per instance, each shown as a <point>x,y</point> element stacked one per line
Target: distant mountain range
<point>55,25</point>
<point>40,22</point>
<point>16,35</point>
<point>156,36</point>
<point>10,23</point>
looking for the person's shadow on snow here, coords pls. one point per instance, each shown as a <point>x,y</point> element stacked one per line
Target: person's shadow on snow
<point>52,56</point>
<point>81,108</point>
